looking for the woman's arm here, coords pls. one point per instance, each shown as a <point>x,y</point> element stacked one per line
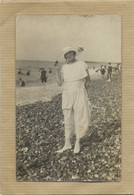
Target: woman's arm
<point>88,80</point>
<point>59,77</point>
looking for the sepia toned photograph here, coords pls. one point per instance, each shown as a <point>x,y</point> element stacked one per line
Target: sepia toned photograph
<point>68,98</point>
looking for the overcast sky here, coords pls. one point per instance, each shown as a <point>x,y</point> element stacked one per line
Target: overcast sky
<point>43,37</point>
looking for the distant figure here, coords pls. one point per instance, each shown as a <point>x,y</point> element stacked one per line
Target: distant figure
<point>118,67</point>
<point>55,63</point>
<point>43,76</point>
<point>102,70</point>
<point>119,70</point>
<point>50,70</point>
<point>22,83</point>
<point>19,71</point>
<point>28,72</point>
<point>109,72</point>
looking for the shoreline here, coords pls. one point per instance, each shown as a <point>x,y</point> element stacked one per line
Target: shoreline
<point>30,95</point>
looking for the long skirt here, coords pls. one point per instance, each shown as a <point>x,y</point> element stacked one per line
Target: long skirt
<point>75,105</point>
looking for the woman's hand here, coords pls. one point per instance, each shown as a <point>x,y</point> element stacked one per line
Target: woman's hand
<point>87,84</point>
<point>87,80</point>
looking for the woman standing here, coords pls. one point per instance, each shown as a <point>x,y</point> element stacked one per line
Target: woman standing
<point>43,76</point>
<point>75,79</point>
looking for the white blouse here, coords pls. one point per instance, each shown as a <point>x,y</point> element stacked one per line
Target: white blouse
<point>74,71</point>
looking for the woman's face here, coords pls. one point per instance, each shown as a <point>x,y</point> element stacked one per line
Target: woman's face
<point>70,56</point>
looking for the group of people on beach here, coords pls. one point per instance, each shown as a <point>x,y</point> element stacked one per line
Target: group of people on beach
<point>22,82</point>
<point>20,72</point>
<point>75,79</point>
<point>43,75</point>
<point>108,70</point>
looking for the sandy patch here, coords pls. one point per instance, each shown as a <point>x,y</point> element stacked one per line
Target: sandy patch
<point>27,95</point>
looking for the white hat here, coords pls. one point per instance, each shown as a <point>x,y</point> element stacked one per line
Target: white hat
<point>67,49</point>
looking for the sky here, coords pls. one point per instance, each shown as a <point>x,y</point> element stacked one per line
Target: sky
<point>43,37</point>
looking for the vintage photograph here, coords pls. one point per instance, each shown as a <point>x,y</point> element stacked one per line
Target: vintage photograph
<point>68,98</point>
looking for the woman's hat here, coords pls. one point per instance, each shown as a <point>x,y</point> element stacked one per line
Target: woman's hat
<point>67,49</point>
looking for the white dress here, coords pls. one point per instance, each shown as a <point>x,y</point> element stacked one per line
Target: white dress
<point>75,100</point>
